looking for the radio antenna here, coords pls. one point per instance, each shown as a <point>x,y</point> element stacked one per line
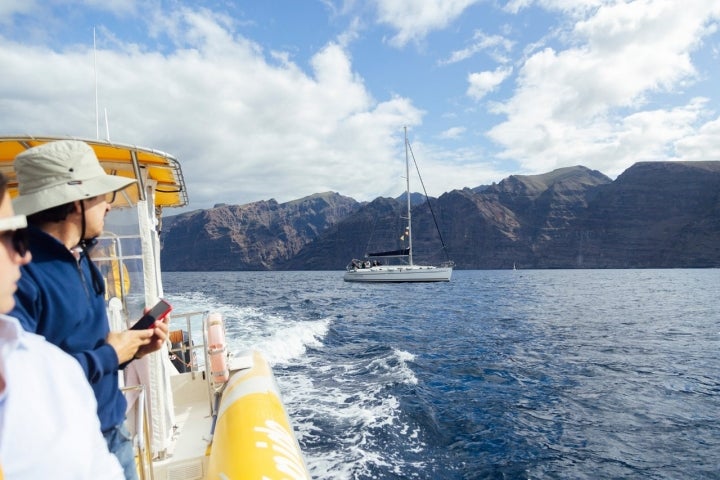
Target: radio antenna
<point>107,127</point>
<point>97,113</point>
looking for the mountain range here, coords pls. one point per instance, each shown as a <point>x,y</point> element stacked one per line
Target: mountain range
<point>654,215</point>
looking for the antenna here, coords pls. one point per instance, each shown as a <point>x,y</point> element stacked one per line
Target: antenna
<point>107,127</point>
<point>97,113</point>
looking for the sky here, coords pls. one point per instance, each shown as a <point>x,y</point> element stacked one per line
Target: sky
<point>280,99</point>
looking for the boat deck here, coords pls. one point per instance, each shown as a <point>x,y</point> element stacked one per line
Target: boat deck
<point>186,458</point>
<point>188,455</point>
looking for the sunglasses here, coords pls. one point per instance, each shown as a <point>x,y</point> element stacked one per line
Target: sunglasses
<point>14,230</point>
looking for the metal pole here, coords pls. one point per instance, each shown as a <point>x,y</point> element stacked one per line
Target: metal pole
<point>409,206</point>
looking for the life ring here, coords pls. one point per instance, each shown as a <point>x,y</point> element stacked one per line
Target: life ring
<point>217,349</point>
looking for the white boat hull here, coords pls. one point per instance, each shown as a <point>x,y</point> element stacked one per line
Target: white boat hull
<point>399,273</point>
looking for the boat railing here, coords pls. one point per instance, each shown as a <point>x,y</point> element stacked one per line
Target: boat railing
<point>187,349</point>
<point>142,429</point>
<point>182,350</point>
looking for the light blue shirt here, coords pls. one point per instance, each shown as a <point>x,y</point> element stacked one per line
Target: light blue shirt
<point>48,422</point>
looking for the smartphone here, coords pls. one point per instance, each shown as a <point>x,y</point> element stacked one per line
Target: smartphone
<point>158,312</point>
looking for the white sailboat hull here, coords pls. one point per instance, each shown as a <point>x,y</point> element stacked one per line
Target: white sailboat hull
<point>399,273</point>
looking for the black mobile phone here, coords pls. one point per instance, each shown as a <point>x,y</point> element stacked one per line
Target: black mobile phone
<point>158,312</point>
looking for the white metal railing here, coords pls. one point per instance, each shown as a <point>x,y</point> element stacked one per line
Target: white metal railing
<point>142,433</point>
<point>214,390</point>
<point>191,348</point>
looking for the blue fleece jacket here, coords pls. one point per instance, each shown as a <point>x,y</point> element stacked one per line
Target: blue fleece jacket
<point>57,298</point>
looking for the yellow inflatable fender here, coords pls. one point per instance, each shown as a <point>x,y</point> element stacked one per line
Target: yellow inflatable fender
<point>253,437</point>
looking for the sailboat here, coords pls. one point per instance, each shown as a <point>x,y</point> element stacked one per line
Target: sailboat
<point>375,271</point>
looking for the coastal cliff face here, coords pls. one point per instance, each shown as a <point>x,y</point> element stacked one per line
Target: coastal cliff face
<point>656,214</point>
<point>256,236</point>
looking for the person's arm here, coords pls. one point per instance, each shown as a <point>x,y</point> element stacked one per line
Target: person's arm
<point>98,362</point>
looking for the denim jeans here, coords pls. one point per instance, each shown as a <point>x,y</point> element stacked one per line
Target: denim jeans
<point>120,444</point>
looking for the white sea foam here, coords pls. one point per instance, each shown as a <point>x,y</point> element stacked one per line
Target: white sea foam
<point>361,418</point>
<point>291,341</point>
<point>280,339</point>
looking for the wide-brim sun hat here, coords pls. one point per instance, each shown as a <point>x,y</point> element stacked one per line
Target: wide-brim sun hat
<point>61,172</point>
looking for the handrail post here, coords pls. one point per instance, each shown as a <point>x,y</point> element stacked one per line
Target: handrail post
<point>142,432</point>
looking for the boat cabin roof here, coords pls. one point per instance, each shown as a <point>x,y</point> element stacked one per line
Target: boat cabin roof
<point>130,161</point>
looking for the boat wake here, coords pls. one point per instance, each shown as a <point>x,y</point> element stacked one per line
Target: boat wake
<point>363,424</point>
<point>356,403</point>
<point>281,340</point>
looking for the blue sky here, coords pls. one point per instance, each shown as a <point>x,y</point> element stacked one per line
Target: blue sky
<point>286,98</point>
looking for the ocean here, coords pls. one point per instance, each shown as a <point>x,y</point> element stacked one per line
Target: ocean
<point>526,374</point>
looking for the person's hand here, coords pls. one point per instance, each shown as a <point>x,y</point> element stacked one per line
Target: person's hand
<point>128,342</point>
<point>159,335</point>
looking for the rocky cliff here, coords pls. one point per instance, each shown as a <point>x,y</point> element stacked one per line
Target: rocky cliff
<point>256,236</point>
<point>656,214</point>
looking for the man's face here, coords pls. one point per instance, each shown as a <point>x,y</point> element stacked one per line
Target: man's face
<point>95,210</point>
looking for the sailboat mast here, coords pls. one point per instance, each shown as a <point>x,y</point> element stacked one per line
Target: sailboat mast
<point>407,194</point>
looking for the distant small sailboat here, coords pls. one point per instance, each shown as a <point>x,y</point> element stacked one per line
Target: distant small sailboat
<point>373,271</point>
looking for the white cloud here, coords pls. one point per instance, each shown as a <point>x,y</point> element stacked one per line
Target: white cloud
<point>414,19</point>
<point>463,166</point>
<point>591,103</point>
<point>599,83</point>
<point>485,82</point>
<point>454,132</point>
<point>702,144</point>
<point>244,128</point>
<point>114,6</point>
<point>498,45</point>
<point>570,7</point>
<point>8,8</point>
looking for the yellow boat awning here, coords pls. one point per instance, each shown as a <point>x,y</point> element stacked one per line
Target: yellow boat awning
<point>142,164</point>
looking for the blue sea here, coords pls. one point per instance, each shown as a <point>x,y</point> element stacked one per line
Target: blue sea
<point>527,374</point>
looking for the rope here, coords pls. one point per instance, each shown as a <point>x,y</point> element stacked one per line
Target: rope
<point>174,356</point>
<point>427,199</point>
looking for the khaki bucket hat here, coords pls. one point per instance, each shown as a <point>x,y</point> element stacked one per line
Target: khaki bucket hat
<point>61,172</point>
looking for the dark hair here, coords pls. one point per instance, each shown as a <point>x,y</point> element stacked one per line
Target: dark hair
<point>3,185</point>
<point>52,214</point>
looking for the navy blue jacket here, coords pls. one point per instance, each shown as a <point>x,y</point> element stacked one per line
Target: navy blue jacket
<point>56,298</point>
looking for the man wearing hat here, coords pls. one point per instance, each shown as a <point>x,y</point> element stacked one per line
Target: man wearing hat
<point>61,294</point>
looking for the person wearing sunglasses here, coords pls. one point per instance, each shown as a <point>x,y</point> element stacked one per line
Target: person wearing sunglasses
<point>48,425</point>
<point>64,192</point>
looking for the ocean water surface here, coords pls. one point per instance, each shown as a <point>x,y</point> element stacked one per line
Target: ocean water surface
<point>527,374</point>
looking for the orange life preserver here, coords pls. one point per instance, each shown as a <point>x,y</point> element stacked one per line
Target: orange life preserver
<point>217,349</point>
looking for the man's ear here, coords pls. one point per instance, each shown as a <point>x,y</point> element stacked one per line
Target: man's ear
<point>77,207</point>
